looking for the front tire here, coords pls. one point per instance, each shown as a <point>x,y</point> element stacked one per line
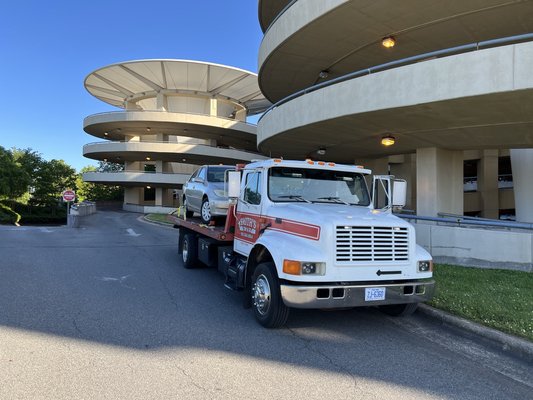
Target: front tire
<point>189,251</point>
<point>399,310</point>
<point>205,211</point>
<point>268,306</point>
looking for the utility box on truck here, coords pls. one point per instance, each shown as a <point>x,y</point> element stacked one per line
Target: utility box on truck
<point>306,234</point>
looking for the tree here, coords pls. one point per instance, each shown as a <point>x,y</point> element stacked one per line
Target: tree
<point>51,179</point>
<point>14,180</point>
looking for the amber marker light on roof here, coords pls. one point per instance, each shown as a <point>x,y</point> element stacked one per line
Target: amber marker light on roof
<point>388,42</point>
<point>388,140</point>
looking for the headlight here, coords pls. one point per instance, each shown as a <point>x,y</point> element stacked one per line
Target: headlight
<point>304,267</point>
<point>425,266</point>
<point>220,193</point>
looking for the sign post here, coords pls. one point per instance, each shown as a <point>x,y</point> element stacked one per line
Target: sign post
<point>68,196</point>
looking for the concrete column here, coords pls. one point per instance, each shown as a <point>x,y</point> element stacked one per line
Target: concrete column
<point>132,195</point>
<point>214,108</point>
<point>240,115</point>
<point>130,105</point>
<point>161,102</point>
<point>439,182</point>
<point>487,184</point>
<point>404,167</point>
<point>159,167</point>
<point>159,196</point>
<point>522,164</point>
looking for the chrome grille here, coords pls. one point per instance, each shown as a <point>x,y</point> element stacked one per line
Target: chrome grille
<point>371,244</point>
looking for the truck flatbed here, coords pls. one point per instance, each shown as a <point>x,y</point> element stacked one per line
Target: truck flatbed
<point>195,224</point>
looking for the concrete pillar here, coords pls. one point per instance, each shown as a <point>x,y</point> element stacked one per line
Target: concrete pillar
<point>439,182</point>
<point>159,196</point>
<point>161,102</point>
<point>132,195</point>
<point>522,165</point>
<point>159,167</point>
<point>241,115</point>
<point>130,105</point>
<point>487,184</point>
<point>214,108</point>
<point>404,167</point>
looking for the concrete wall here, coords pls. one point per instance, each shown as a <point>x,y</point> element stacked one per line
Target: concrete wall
<point>472,246</point>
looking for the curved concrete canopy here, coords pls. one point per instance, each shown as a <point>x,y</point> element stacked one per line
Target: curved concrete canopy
<point>136,179</point>
<point>268,10</point>
<point>117,83</point>
<point>117,125</point>
<point>477,100</point>
<point>343,36</point>
<point>170,152</point>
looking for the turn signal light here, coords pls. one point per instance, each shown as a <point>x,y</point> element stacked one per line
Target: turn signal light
<point>291,267</point>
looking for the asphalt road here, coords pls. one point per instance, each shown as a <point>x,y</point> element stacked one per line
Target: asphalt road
<point>108,312</point>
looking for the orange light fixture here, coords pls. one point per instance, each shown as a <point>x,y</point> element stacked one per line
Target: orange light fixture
<point>388,140</point>
<point>291,267</point>
<point>388,42</point>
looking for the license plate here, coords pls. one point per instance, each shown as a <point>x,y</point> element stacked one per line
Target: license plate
<point>375,294</point>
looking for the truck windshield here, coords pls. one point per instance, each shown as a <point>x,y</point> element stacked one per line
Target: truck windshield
<point>287,184</point>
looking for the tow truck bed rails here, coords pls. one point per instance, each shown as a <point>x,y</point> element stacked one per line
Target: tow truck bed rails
<point>219,233</point>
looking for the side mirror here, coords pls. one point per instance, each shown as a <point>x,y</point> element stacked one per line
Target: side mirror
<point>234,184</point>
<point>399,193</point>
<point>197,180</point>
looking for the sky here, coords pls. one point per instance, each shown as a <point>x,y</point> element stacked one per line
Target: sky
<point>47,48</point>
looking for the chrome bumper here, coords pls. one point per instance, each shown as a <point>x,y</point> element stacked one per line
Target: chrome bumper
<point>354,295</point>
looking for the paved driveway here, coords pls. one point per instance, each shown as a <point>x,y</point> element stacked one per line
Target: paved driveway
<point>108,312</point>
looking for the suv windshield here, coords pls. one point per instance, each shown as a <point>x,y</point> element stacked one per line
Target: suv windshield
<point>317,186</point>
<point>216,174</point>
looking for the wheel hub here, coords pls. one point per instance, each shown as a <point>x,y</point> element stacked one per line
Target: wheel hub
<point>206,211</point>
<point>261,295</point>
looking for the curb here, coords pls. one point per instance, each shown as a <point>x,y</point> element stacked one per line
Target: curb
<point>520,348</point>
<point>143,218</point>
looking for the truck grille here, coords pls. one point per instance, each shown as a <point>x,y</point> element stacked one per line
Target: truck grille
<point>371,243</point>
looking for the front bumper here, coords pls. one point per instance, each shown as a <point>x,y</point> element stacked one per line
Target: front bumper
<point>340,296</point>
<point>219,207</point>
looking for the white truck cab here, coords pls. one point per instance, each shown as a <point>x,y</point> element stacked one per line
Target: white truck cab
<point>306,234</point>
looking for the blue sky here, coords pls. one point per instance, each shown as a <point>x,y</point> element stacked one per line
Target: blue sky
<point>48,47</point>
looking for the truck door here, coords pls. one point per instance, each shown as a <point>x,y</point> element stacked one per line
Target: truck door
<point>248,215</point>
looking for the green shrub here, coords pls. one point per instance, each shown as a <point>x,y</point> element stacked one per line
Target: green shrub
<point>8,216</point>
<point>30,214</point>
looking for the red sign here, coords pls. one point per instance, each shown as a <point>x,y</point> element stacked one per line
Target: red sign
<point>69,195</point>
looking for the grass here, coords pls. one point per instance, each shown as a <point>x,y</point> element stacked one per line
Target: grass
<point>500,299</point>
<point>160,218</point>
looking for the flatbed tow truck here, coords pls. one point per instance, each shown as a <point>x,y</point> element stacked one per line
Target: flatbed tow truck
<point>307,234</point>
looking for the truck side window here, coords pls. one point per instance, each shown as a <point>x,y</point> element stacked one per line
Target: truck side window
<point>252,191</point>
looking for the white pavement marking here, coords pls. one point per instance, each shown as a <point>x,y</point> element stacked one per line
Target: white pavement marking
<point>131,232</point>
<point>120,280</point>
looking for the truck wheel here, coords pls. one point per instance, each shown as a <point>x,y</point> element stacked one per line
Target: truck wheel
<point>399,310</point>
<point>189,251</point>
<point>188,214</point>
<point>205,211</point>
<point>269,309</point>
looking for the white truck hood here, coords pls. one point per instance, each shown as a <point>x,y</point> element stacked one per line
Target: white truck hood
<point>338,214</point>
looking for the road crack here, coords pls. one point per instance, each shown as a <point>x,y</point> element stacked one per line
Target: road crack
<point>307,344</point>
